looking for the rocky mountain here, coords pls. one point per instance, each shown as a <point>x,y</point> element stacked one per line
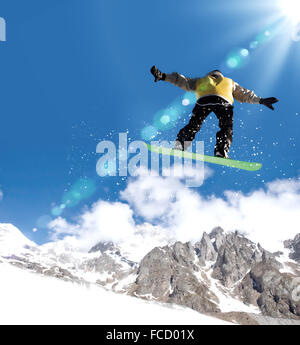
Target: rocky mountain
<point>221,266</point>
<point>224,275</point>
<point>294,246</point>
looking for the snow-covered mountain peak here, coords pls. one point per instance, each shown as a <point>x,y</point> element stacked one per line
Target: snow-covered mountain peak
<point>223,274</point>
<point>12,241</point>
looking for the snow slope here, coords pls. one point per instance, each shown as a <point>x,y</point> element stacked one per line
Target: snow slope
<point>29,298</point>
<point>12,241</point>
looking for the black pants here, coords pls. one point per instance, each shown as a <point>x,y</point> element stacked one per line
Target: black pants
<point>224,113</point>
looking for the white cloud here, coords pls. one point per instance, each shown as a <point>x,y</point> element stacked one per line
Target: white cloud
<point>268,216</point>
<point>62,227</point>
<point>152,196</point>
<point>1,195</point>
<point>191,176</point>
<point>105,221</point>
<point>173,211</point>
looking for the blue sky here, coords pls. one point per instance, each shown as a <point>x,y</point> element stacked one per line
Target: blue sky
<point>75,72</point>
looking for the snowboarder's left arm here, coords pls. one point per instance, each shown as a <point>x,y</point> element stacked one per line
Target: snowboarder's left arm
<point>244,95</point>
<point>247,96</point>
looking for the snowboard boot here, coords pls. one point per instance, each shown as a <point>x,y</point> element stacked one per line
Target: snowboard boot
<point>222,153</point>
<point>222,148</point>
<point>178,145</point>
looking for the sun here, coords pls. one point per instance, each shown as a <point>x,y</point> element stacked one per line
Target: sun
<point>290,9</point>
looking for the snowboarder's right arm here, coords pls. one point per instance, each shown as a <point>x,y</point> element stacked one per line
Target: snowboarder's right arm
<point>187,84</point>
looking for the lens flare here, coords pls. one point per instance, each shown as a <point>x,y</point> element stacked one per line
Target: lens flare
<point>290,9</point>
<point>253,44</point>
<point>244,52</point>
<point>185,102</point>
<point>237,58</point>
<point>43,221</point>
<point>264,36</point>
<point>56,211</point>
<point>167,118</point>
<point>107,168</point>
<point>149,133</point>
<point>81,190</point>
<point>233,62</point>
<point>188,98</point>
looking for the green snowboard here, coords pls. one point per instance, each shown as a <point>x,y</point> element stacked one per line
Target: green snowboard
<point>209,159</point>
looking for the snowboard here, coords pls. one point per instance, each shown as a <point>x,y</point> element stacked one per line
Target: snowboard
<point>250,166</point>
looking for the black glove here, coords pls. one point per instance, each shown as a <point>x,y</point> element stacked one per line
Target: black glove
<point>268,102</point>
<point>158,75</point>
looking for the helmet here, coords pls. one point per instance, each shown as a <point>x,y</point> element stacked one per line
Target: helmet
<point>215,73</point>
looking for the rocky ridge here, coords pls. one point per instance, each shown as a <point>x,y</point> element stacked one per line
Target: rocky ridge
<point>223,274</point>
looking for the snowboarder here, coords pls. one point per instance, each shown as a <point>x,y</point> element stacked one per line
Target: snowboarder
<point>214,93</point>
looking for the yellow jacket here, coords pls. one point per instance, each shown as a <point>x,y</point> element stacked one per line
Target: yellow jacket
<point>214,83</point>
